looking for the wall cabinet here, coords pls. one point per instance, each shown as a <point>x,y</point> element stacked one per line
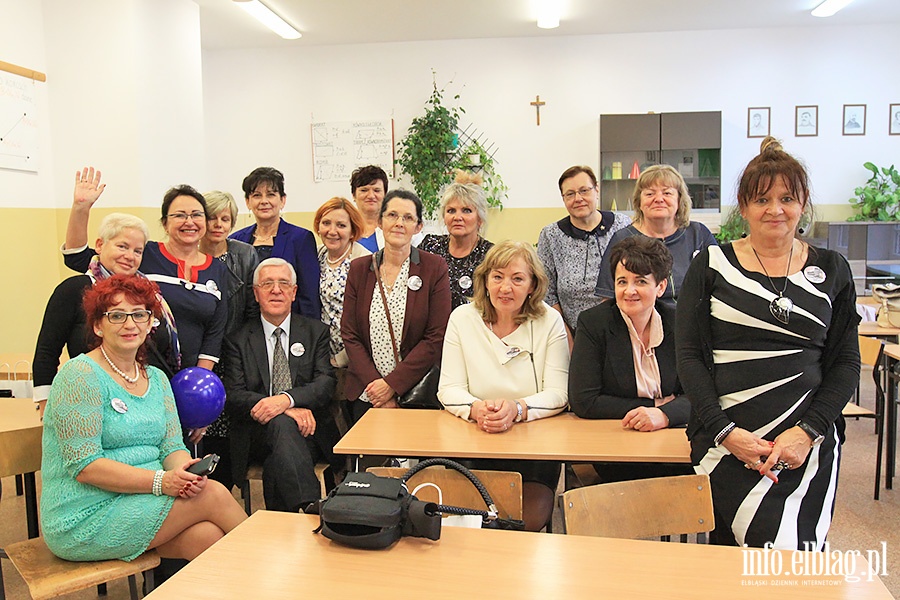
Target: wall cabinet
<point>691,142</point>
<point>871,248</point>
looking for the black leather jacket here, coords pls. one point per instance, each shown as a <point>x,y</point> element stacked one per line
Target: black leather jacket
<point>241,261</point>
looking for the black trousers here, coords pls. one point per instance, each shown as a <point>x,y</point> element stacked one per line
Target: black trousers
<point>289,461</point>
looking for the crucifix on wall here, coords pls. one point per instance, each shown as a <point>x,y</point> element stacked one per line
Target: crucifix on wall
<point>537,104</point>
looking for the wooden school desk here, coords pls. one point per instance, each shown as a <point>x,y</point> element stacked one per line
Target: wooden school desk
<point>276,555</point>
<point>20,450</point>
<point>565,437</point>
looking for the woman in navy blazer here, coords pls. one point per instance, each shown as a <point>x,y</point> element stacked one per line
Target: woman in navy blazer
<point>623,360</point>
<point>417,291</point>
<point>273,236</point>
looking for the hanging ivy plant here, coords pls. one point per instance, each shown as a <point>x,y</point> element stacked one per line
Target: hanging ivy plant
<point>429,148</point>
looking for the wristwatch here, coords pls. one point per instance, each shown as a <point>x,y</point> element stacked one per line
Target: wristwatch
<point>816,437</point>
<point>519,411</point>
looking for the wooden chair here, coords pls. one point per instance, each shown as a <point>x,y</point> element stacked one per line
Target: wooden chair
<point>254,471</point>
<point>504,487</point>
<point>871,353</point>
<point>48,576</point>
<point>643,508</point>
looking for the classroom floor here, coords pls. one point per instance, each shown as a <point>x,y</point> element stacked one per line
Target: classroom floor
<point>860,523</point>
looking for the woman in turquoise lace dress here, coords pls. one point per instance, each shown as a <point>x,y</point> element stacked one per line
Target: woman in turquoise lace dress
<point>113,469</point>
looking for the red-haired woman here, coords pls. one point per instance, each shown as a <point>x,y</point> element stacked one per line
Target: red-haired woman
<point>114,464</point>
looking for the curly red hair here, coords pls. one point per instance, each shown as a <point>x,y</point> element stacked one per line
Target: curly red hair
<point>105,293</point>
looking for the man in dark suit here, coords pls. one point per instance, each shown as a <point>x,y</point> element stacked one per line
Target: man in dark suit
<point>279,381</point>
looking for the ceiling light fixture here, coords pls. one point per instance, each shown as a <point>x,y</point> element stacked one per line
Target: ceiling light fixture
<point>548,14</point>
<point>267,17</point>
<point>829,7</point>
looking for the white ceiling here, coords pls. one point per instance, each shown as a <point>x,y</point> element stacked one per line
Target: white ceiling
<point>224,25</point>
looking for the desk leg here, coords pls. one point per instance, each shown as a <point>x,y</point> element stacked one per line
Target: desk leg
<point>356,463</point>
<point>31,509</point>
<point>891,424</point>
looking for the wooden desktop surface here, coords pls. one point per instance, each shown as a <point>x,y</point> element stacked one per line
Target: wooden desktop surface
<point>276,555</point>
<point>565,437</point>
<point>871,328</point>
<point>20,436</point>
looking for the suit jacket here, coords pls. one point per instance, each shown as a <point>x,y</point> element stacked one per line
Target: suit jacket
<point>297,246</point>
<point>248,377</point>
<point>602,384</point>
<point>427,312</point>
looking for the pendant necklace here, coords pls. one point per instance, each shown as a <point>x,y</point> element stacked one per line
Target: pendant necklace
<point>119,372</point>
<point>781,306</point>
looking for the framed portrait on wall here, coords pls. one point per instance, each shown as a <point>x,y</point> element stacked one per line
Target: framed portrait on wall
<point>806,121</point>
<point>758,121</point>
<point>894,115</point>
<point>854,119</point>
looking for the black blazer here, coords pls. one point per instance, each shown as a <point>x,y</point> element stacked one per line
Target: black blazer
<point>248,377</point>
<point>602,384</point>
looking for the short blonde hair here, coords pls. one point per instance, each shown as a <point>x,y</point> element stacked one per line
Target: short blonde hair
<point>217,201</point>
<point>499,257</point>
<point>663,175</point>
<point>467,189</point>
<point>114,223</point>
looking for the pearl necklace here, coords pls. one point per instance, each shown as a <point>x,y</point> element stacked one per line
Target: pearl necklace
<point>119,372</point>
<point>334,263</point>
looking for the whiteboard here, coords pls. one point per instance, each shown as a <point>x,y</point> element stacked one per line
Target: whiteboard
<point>18,123</point>
<point>339,147</point>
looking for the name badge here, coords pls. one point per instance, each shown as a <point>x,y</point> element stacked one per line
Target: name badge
<point>414,283</point>
<point>513,352</point>
<point>119,405</point>
<point>465,282</point>
<point>814,274</point>
<point>212,287</point>
<point>297,349</point>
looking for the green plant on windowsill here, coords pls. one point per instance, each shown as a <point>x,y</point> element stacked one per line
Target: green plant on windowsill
<point>734,227</point>
<point>879,198</point>
<point>429,147</point>
<point>474,157</point>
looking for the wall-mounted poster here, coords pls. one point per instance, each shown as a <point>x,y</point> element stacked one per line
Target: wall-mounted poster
<point>806,121</point>
<point>758,121</point>
<point>854,119</point>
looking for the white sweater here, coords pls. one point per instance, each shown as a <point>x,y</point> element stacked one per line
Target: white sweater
<point>477,365</point>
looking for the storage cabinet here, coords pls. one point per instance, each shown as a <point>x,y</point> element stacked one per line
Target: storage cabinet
<point>690,142</point>
<point>871,248</point>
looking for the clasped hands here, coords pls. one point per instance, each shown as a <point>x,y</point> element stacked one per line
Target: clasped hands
<point>270,407</point>
<point>788,451</point>
<point>381,394</point>
<point>494,416</point>
<point>179,483</point>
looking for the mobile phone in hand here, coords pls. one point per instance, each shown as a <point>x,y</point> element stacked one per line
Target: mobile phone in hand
<point>205,466</point>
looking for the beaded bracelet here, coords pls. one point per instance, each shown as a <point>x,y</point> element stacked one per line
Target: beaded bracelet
<point>157,482</point>
<point>724,433</point>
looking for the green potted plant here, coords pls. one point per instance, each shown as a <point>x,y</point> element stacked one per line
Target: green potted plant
<point>429,148</point>
<point>474,157</point>
<point>879,198</point>
<point>734,227</point>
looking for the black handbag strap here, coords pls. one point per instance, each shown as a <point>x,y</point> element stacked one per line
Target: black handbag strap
<point>491,512</point>
<point>387,311</point>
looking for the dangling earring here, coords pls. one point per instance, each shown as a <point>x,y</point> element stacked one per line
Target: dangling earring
<point>803,226</point>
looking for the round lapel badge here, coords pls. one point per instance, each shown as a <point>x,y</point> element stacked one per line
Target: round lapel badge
<point>211,286</point>
<point>814,274</point>
<point>414,283</point>
<point>297,349</point>
<point>513,352</point>
<point>465,282</point>
<point>119,405</point>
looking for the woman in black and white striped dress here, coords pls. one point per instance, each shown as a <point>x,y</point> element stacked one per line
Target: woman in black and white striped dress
<point>767,352</point>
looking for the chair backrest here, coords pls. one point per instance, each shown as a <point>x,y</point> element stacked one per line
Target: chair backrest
<point>870,350</point>
<point>643,508</point>
<point>505,488</point>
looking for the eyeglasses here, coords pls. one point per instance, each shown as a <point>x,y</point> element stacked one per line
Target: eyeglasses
<point>194,216</point>
<point>583,192</point>
<point>407,219</point>
<point>269,284</point>
<point>117,317</point>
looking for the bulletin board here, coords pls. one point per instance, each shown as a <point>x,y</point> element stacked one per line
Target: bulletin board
<point>339,147</point>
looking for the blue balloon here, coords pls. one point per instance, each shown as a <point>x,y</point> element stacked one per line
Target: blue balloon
<point>199,396</point>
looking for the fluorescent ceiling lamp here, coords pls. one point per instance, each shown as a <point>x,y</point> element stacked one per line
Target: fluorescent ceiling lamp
<point>829,7</point>
<point>264,15</point>
<point>548,14</point>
